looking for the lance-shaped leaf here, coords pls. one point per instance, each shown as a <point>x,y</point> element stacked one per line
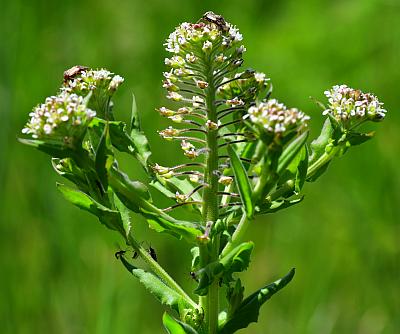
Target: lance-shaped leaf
<point>249,309</point>
<point>55,149</point>
<point>237,260</point>
<point>291,151</point>
<point>104,157</point>
<point>69,169</point>
<point>242,182</point>
<point>355,138</point>
<point>278,205</point>
<point>162,222</point>
<point>139,139</point>
<point>319,145</point>
<point>133,194</point>
<point>120,139</point>
<point>125,216</point>
<point>174,326</point>
<point>164,294</point>
<point>108,217</point>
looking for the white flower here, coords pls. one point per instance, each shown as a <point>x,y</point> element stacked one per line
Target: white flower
<point>61,116</point>
<point>115,82</point>
<point>346,104</point>
<point>274,117</point>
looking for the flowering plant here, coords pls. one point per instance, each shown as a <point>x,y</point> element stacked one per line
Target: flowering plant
<point>248,156</point>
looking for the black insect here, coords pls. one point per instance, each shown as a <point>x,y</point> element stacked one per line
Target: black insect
<point>74,71</point>
<point>218,20</point>
<point>119,254</point>
<point>194,276</point>
<point>152,253</point>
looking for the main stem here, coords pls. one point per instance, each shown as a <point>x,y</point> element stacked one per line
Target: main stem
<point>210,251</point>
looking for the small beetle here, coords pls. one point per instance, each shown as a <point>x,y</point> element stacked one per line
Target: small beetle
<point>73,71</point>
<point>218,20</point>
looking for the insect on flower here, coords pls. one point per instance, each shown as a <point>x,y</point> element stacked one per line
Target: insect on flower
<point>74,71</point>
<point>218,20</point>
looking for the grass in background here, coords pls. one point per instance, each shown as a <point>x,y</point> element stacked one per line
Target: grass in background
<point>58,273</point>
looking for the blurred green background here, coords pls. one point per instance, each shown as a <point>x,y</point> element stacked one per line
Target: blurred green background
<point>58,272</point>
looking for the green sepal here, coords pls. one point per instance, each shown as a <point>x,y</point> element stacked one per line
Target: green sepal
<point>110,218</point>
<point>164,294</point>
<point>242,182</point>
<point>249,309</point>
<point>175,326</point>
<point>237,260</point>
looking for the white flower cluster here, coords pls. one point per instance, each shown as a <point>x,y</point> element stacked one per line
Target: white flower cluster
<point>275,118</point>
<point>89,80</point>
<point>64,115</point>
<point>346,103</point>
<point>205,34</point>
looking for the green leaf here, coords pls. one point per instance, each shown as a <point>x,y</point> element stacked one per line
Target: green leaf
<point>234,296</point>
<point>319,145</point>
<point>108,217</point>
<point>170,186</point>
<point>237,260</point>
<point>164,294</point>
<point>55,149</point>
<point>242,182</point>
<point>133,194</point>
<point>291,151</point>
<point>139,139</point>
<point>175,326</point>
<point>178,229</point>
<point>355,138</point>
<point>104,157</point>
<point>171,325</point>
<point>71,172</point>
<point>278,205</point>
<point>125,216</point>
<point>135,120</point>
<point>249,309</point>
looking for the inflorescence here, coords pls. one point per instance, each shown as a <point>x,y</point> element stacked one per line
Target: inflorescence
<point>59,117</point>
<point>351,106</point>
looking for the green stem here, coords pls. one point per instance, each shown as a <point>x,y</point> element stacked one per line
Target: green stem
<point>322,161</point>
<point>210,251</point>
<point>158,270</point>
